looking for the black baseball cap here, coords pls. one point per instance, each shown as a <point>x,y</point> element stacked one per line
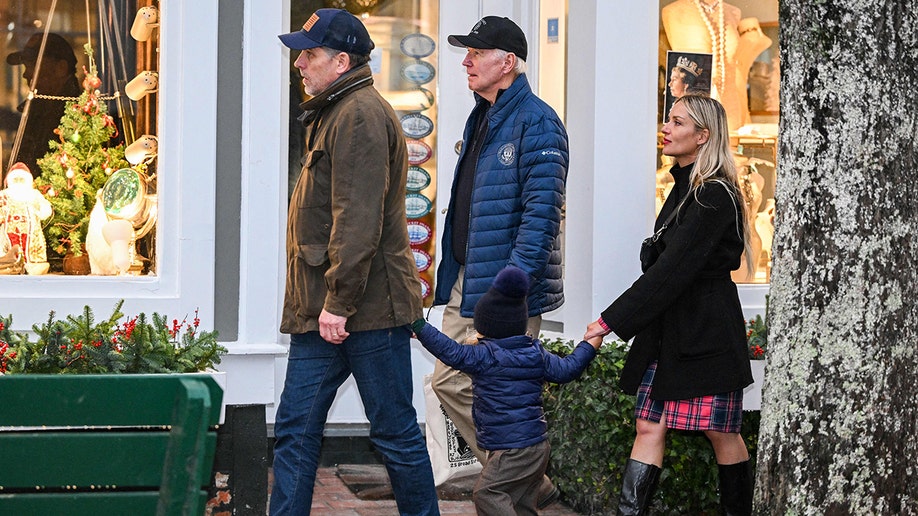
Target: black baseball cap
<point>56,47</point>
<point>332,28</point>
<point>494,32</point>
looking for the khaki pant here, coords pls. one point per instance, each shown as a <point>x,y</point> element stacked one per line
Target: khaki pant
<point>510,482</point>
<point>453,387</point>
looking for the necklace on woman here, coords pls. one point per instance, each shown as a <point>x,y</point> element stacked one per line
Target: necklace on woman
<point>718,41</point>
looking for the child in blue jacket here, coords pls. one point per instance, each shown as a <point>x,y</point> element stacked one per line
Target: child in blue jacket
<point>508,368</point>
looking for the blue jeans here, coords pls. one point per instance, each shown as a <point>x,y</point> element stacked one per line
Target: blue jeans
<point>380,361</point>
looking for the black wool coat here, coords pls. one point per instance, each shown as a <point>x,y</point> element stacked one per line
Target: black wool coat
<point>684,310</point>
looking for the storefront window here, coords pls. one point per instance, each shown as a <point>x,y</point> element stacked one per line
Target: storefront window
<point>78,112</point>
<point>729,51</point>
<point>404,65</point>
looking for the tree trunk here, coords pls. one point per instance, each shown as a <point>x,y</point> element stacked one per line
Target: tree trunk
<point>840,400</point>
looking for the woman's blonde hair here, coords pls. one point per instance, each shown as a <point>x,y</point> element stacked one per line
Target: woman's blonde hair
<point>714,162</point>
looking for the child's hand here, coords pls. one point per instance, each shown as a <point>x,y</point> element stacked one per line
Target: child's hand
<point>595,329</point>
<point>595,341</point>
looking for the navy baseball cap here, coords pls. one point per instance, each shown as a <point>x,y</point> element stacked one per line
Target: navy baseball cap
<point>332,28</point>
<point>494,32</point>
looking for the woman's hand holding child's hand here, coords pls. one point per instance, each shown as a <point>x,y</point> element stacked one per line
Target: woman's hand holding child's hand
<point>595,341</point>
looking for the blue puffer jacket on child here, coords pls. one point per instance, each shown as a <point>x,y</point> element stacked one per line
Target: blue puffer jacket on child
<point>507,377</point>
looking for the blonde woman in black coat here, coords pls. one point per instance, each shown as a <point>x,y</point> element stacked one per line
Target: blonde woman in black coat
<point>688,362</point>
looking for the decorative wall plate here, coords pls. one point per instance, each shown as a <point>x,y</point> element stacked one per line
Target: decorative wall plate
<point>418,179</point>
<point>421,259</point>
<point>418,152</point>
<point>416,125</point>
<point>418,72</point>
<point>425,288</point>
<point>416,205</point>
<point>417,45</point>
<point>419,233</point>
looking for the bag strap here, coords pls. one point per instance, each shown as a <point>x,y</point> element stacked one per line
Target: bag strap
<point>656,236</point>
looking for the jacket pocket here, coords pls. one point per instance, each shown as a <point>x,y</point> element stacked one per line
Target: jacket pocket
<point>313,254</point>
<point>702,326</point>
<point>314,186</point>
<point>311,265</point>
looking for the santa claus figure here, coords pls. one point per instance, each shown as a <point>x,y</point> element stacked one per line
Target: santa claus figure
<point>22,208</point>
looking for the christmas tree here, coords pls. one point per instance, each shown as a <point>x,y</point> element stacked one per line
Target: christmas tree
<point>78,165</point>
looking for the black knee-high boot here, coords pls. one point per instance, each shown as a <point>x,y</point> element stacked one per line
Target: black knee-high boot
<point>638,487</point>
<point>736,484</point>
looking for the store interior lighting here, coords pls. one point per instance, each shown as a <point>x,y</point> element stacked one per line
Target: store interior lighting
<point>143,149</point>
<point>146,19</point>
<point>145,82</point>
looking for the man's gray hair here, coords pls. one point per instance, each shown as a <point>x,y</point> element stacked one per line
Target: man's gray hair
<point>520,67</point>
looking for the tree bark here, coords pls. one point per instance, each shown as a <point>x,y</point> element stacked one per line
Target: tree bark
<point>840,399</point>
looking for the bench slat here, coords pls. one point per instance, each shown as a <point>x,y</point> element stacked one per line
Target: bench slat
<point>128,401</point>
<point>84,459</point>
<point>90,504</point>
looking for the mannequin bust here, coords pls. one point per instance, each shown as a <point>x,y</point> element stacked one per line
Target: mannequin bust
<point>665,182</point>
<point>765,227</point>
<point>751,185</point>
<point>752,42</point>
<point>695,26</point>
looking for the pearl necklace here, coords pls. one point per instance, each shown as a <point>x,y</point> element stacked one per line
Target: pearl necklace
<point>718,41</point>
<point>709,8</point>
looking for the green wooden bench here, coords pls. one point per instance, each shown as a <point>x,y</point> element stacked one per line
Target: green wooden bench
<point>107,444</point>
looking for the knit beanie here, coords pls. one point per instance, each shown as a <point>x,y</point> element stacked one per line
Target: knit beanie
<point>502,311</point>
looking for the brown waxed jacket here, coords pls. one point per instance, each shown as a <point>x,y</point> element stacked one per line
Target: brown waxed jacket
<point>347,234</point>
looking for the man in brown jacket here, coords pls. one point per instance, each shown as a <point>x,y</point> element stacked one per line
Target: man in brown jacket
<point>352,284</point>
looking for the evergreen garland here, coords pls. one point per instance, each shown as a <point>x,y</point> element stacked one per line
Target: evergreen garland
<point>78,344</point>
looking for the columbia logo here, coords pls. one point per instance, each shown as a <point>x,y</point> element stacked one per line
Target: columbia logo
<point>551,153</point>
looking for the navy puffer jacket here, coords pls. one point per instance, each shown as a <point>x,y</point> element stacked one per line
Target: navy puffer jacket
<point>516,202</point>
<point>507,376</point>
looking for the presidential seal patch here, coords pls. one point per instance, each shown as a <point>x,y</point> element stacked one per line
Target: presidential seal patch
<point>506,154</point>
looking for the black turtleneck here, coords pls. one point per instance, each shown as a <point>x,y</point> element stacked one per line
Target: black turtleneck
<point>465,182</point>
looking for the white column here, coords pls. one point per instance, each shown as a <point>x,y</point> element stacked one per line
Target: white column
<point>612,96</point>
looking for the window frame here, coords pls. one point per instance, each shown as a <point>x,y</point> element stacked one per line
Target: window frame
<point>184,276</point>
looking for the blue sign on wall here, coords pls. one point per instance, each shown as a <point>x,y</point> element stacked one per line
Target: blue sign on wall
<point>552,30</point>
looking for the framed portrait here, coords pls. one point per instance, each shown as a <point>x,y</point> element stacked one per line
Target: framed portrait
<point>686,72</point>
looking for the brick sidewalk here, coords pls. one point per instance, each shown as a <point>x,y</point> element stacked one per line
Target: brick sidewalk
<point>332,497</point>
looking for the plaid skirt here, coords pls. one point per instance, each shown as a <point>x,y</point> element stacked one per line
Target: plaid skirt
<point>718,412</point>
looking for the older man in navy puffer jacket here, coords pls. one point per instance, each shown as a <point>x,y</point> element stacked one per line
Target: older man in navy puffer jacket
<point>506,204</point>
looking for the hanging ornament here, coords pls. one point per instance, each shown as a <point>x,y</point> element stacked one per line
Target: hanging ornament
<point>75,138</point>
<point>51,192</point>
<point>90,105</point>
<point>70,173</point>
<point>91,82</point>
